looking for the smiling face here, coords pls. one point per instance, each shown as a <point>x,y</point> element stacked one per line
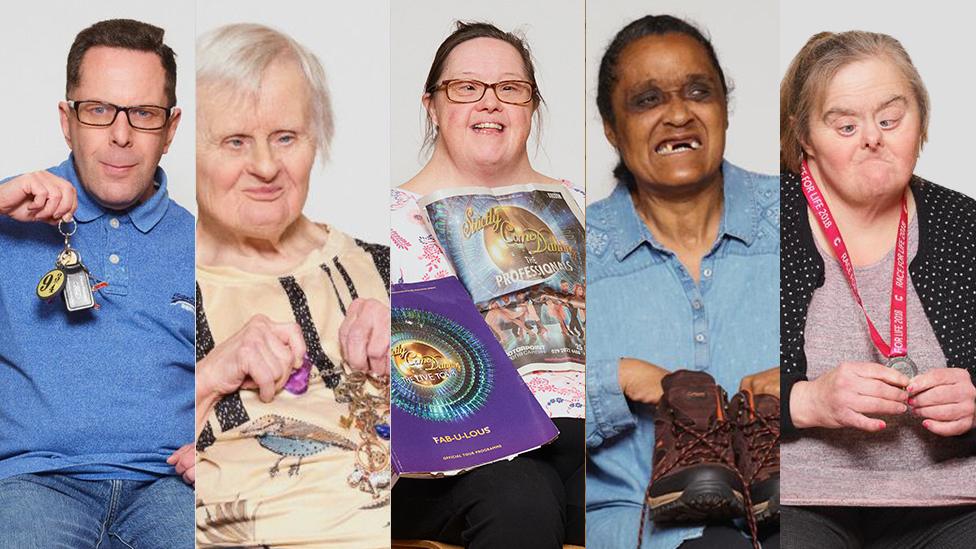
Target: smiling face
<point>670,112</point>
<point>117,163</point>
<point>487,133</point>
<point>865,138</point>
<point>254,155</point>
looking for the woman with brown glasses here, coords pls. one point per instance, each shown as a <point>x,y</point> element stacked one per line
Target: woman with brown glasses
<point>481,96</point>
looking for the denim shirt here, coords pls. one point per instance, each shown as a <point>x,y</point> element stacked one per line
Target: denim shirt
<point>642,303</point>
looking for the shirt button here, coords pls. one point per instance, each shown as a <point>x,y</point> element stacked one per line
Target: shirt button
<point>700,338</point>
<point>707,273</point>
<point>114,223</point>
<point>113,259</point>
<point>697,304</point>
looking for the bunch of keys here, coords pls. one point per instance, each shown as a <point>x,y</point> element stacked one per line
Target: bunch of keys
<point>69,277</point>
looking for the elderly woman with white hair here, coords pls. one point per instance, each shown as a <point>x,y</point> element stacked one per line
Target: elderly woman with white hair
<point>292,315</point>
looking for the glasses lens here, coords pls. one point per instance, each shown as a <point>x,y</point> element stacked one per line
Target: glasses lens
<point>465,91</point>
<point>94,113</point>
<point>147,118</point>
<point>514,92</point>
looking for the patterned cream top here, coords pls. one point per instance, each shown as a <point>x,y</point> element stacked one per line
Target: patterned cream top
<point>286,473</point>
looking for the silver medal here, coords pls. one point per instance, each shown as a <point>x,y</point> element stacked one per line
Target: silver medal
<point>903,364</point>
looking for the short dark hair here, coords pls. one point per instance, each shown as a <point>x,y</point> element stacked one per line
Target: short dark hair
<point>649,25</point>
<point>463,32</point>
<point>127,34</point>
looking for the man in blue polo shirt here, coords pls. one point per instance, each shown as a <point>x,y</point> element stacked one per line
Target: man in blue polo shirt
<point>96,405</point>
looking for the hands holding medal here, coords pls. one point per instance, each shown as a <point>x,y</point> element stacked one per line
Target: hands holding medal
<point>946,399</point>
<point>38,196</point>
<point>849,394</point>
<point>846,394</point>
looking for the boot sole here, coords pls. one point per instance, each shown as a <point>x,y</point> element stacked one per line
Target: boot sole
<point>766,494</point>
<point>767,511</point>
<point>698,503</point>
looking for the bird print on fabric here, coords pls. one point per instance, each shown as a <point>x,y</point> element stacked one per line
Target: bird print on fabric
<point>289,437</point>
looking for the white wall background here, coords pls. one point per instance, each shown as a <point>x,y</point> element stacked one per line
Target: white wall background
<point>351,39</point>
<point>745,38</point>
<point>938,41</point>
<point>554,30</point>
<point>34,47</point>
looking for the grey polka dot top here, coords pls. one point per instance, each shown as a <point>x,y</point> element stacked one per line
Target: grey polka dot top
<point>942,273</point>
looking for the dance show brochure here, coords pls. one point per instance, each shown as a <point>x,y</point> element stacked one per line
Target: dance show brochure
<point>520,252</point>
<point>456,401</point>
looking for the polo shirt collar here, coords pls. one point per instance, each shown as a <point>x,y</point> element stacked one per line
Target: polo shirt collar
<point>144,216</point>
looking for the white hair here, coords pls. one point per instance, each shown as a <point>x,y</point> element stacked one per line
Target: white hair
<point>236,56</point>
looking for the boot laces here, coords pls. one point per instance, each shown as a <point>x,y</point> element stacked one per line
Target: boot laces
<point>762,438</point>
<point>694,446</point>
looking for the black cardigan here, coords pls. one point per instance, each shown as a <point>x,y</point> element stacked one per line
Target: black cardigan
<point>942,273</point>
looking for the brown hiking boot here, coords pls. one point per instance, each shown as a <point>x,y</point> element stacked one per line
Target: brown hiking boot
<point>694,477</point>
<point>756,443</point>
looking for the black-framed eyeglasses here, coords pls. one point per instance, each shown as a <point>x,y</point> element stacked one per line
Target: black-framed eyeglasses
<point>513,92</point>
<point>101,114</point>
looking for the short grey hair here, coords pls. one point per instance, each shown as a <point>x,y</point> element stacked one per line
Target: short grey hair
<point>236,56</point>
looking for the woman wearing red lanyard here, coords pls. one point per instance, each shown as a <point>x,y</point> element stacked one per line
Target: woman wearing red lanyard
<point>878,338</point>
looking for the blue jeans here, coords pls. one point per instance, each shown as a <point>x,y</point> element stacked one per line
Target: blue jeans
<point>59,512</point>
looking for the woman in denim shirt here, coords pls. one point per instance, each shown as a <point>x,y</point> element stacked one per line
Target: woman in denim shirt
<point>683,274</point>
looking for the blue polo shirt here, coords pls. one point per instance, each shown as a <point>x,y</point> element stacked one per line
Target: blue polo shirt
<point>104,393</point>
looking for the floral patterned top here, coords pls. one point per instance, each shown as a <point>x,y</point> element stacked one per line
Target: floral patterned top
<point>416,257</point>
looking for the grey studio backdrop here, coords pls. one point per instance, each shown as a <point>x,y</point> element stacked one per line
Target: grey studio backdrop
<point>352,40</point>
<point>33,50</point>
<point>555,33</point>
<point>939,43</point>
<point>745,37</point>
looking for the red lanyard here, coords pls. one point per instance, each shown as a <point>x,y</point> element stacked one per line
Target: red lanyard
<point>899,330</point>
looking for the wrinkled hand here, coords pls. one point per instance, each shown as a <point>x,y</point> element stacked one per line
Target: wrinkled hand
<point>364,336</point>
<point>763,383</point>
<point>38,196</point>
<point>640,381</point>
<point>946,399</point>
<point>846,394</point>
<point>261,355</point>
<point>184,460</point>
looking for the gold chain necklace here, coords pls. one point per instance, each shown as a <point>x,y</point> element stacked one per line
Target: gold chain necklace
<point>369,413</point>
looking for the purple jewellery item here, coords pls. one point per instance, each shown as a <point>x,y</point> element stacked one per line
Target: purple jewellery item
<point>298,381</point>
